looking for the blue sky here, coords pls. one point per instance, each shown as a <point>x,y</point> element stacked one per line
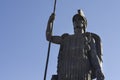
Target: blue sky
<point>23,46</point>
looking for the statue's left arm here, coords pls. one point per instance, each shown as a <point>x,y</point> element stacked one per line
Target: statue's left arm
<point>95,61</point>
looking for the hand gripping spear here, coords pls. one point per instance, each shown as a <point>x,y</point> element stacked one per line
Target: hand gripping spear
<point>49,45</point>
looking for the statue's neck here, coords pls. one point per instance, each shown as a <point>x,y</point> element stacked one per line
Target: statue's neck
<point>79,31</point>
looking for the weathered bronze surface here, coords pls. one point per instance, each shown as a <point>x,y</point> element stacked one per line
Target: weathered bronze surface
<point>80,53</point>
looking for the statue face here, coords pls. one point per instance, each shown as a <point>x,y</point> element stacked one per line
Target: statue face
<point>78,23</point>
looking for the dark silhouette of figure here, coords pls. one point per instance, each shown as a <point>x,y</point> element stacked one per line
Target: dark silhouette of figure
<point>80,53</point>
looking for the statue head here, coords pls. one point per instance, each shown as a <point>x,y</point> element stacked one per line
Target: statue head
<point>79,21</point>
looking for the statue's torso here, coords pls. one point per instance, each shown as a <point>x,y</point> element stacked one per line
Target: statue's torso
<point>73,63</point>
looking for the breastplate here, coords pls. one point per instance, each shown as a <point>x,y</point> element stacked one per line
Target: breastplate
<point>73,43</point>
<point>72,60</point>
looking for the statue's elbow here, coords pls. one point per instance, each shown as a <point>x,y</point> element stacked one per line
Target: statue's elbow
<point>48,38</point>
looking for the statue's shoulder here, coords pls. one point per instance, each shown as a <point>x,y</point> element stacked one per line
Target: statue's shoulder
<point>93,35</point>
<point>64,35</point>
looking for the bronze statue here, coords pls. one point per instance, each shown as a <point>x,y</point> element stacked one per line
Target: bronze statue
<point>80,53</point>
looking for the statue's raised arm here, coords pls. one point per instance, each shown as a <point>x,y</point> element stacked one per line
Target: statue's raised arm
<point>49,36</point>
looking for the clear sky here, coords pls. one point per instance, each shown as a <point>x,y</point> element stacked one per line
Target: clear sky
<point>23,45</point>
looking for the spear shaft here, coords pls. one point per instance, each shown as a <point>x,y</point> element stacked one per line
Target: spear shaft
<point>49,45</point>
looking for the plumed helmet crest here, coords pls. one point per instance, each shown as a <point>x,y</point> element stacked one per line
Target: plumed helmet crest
<point>80,14</point>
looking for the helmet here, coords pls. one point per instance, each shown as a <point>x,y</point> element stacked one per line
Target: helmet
<point>81,15</point>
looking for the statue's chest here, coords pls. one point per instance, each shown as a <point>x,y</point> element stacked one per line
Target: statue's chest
<point>74,42</point>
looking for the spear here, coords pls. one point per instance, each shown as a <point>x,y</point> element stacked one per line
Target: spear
<point>49,45</point>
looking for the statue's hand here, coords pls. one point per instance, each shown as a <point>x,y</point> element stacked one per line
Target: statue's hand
<point>52,17</point>
<point>100,75</point>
